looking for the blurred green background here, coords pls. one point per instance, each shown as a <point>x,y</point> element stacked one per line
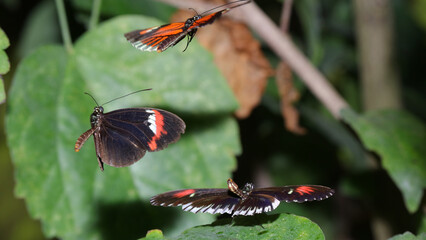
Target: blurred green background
<point>369,203</point>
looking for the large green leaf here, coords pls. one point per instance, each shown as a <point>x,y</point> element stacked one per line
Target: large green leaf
<point>48,111</point>
<point>398,137</point>
<point>283,226</point>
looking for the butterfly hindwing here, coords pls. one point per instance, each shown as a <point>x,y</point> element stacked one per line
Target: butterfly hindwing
<point>118,147</point>
<point>255,204</point>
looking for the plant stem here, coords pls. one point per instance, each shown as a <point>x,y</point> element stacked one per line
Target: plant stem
<point>64,26</point>
<point>94,18</point>
<point>378,68</point>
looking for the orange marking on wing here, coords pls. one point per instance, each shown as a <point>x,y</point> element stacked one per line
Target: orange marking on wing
<point>172,28</point>
<point>305,190</point>
<point>159,123</point>
<point>184,193</point>
<point>155,42</point>
<point>202,21</point>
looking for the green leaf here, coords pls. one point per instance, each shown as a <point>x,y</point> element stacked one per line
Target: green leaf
<point>408,236</point>
<point>186,81</point>
<point>145,7</point>
<point>154,234</point>
<point>4,41</point>
<point>4,63</point>
<point>48,111</point>
<point>2,91</point>
<point>283,226</point>
<point>398,137</point>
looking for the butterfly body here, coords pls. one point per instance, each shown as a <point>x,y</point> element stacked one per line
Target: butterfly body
<point>235,201</point>
<point>123,136</point>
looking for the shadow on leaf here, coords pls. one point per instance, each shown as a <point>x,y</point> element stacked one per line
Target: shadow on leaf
<point>131,220</point>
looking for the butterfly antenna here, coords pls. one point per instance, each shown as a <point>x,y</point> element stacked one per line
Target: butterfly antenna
<point>147,89</point>
<point>92,98</point>
<point>242,2</point>
<point>193,10</point>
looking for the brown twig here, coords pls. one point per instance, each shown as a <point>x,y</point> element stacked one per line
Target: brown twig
<point>282,45</point>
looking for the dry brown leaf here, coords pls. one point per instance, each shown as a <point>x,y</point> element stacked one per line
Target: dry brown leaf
<point>288,95</point>
<point>239,58</point>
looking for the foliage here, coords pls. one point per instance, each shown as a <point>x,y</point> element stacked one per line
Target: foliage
<point>4,63</point>
<point>284,226</point>
<point>73,199</point>
<point>49,172</point>
<point>398,138</point>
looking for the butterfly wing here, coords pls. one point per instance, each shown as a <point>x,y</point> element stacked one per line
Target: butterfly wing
<point>255,204</point>
<point>296,193</point>
<point>212,200</point>
<point>126,134</point>
<point>157,38</point>
<point>207,19</point>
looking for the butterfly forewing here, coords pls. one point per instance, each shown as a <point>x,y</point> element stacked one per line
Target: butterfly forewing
<point>296,193</point>
<point>208,19</point>
<point>157,38</point>
<point>198,200</point>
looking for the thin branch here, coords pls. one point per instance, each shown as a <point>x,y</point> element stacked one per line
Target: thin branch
<point>94,17</point>
<point>286,15</point>
<point>66,37</point>
<point>282,45</point>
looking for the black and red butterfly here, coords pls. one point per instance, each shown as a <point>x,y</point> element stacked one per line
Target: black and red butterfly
<point>246,201</point>
<point>123,136</point>
<point>165,36</point>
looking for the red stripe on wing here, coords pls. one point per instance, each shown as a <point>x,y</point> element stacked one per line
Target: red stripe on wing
<point>184,193</point>
<point>305,190</point>
<point>160,131</point>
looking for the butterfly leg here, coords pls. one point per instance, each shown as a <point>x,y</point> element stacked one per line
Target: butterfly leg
<point>191,35</point>
<point>98,149</point>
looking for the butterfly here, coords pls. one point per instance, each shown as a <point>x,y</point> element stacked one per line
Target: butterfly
<point>165,36</point>
<point>246,201</point>
<point>123,136</point>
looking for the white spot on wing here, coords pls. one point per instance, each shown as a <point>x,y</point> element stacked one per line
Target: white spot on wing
<point>151,121</point>
<point>275,203</point>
